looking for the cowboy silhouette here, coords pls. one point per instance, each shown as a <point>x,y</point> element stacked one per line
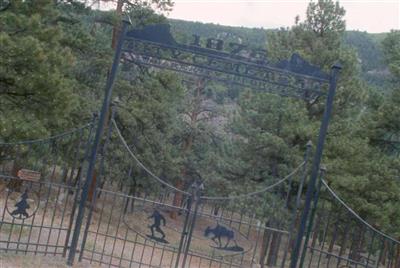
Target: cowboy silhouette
<point>157,222</point>
<point>22,206</point>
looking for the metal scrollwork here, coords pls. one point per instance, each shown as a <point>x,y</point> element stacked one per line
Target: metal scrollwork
<point>154,46</point>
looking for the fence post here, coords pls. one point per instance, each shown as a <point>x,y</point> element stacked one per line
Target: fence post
<point>198,189</point>
<point>295,217</point>
<point>78,183</point>
<point>304,175</point>
<point>97,183</point>
<point>312,215</point>
<point>316,163</point>
<point>184,230</point>
<point>96,143</point>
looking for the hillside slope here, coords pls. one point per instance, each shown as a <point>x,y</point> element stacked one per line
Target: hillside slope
<point>367,45</point>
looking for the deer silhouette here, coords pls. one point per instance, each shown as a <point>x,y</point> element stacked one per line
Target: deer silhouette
<point>219,232</point>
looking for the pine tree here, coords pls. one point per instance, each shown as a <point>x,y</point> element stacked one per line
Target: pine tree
<point>36,95</point>
<point>358,171</point>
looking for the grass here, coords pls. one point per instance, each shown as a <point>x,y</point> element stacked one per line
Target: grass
<point>16,230</point>
<point>12,260</point>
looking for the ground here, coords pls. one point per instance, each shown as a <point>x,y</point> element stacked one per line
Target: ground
<point>10,260</point>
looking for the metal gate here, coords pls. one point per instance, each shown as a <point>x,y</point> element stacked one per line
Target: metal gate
<point>131,225</point>
<point>68,195</point>
<point>202,230</point>
<point>125,224</point>
<point>338,237</point>
<point>154,47</point>
<point>39,189</point>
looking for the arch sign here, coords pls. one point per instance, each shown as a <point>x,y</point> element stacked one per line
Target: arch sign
<point>226,240</point>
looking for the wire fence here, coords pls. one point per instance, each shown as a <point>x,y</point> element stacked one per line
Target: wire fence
<point>137,218</point>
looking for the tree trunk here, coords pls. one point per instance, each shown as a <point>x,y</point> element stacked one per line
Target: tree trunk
<point>74,182</point>
<point>101,186</point>
<point>177,200</point>
<point>296,227</point>
<point>92,188</point>
<point>65,175</point>
<point>356,246</point>
<point>384,253</point>
<point>117,29</point>
<point>264,246</point>
<point>274,249</point>
<point>316,232</point>
<point>15,184</point>
<point>216,210</point>
<point>187,146</point>
<point>333,239</point>
<point>397,258</point>
<point>131,192</point>
<point>344,240</point>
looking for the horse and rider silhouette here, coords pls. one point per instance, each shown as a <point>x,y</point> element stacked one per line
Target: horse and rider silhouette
<point>219,232</point>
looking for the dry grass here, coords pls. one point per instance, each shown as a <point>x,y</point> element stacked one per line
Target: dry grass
<point>12,260</point>
<point>114,237</point>
<point>119,239</point>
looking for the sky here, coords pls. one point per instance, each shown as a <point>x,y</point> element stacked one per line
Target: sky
<point>373,16</point>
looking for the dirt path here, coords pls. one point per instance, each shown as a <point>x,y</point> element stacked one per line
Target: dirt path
<point>10,260</point>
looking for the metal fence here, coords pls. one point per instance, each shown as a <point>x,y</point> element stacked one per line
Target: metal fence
<point>339,237</point>
<point>131,225</point>
<point>147,227</point>
<point>39,183</point>
<point>77,194</point>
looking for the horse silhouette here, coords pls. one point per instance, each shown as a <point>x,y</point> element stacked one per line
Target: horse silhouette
<point>219,232</point>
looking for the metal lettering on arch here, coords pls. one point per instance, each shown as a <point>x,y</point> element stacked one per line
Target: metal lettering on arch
<point>233,63</point>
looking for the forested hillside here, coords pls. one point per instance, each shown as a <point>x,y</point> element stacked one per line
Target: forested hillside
<point>368,46</point>
<point>55,57</point>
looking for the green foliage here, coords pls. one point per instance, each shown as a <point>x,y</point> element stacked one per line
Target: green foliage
<point>161,5</point>
<point>391,50</point>
<point>183,30</point>
<point>146,112</point>
<point>36,95</point>
<point>271,133</point>
<point>385,126</point>
<point>325,18</point>
<point>367,45</point>
<point>359,171</point>
<point>369,51</point>
<point>55,59</point>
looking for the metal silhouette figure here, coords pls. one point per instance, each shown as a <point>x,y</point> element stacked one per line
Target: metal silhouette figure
<point>219,232</point>
<point>21,207</point>
<point>156,225</point>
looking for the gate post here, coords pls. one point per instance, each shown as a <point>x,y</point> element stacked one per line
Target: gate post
<point>316,163</point>
<point>77,187</point>
<point>184,230</point>
<point>97,183</point>
<point>198,189</point>
<point>96,143</point>
<point>312,215</point>
<point>295,217</point>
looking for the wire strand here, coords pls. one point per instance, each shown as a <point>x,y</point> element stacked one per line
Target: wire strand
<point>356,215</point>
<point>142,165</point>
<point>265,189</point>
<point>61,135</point>
<point>202,197</point>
